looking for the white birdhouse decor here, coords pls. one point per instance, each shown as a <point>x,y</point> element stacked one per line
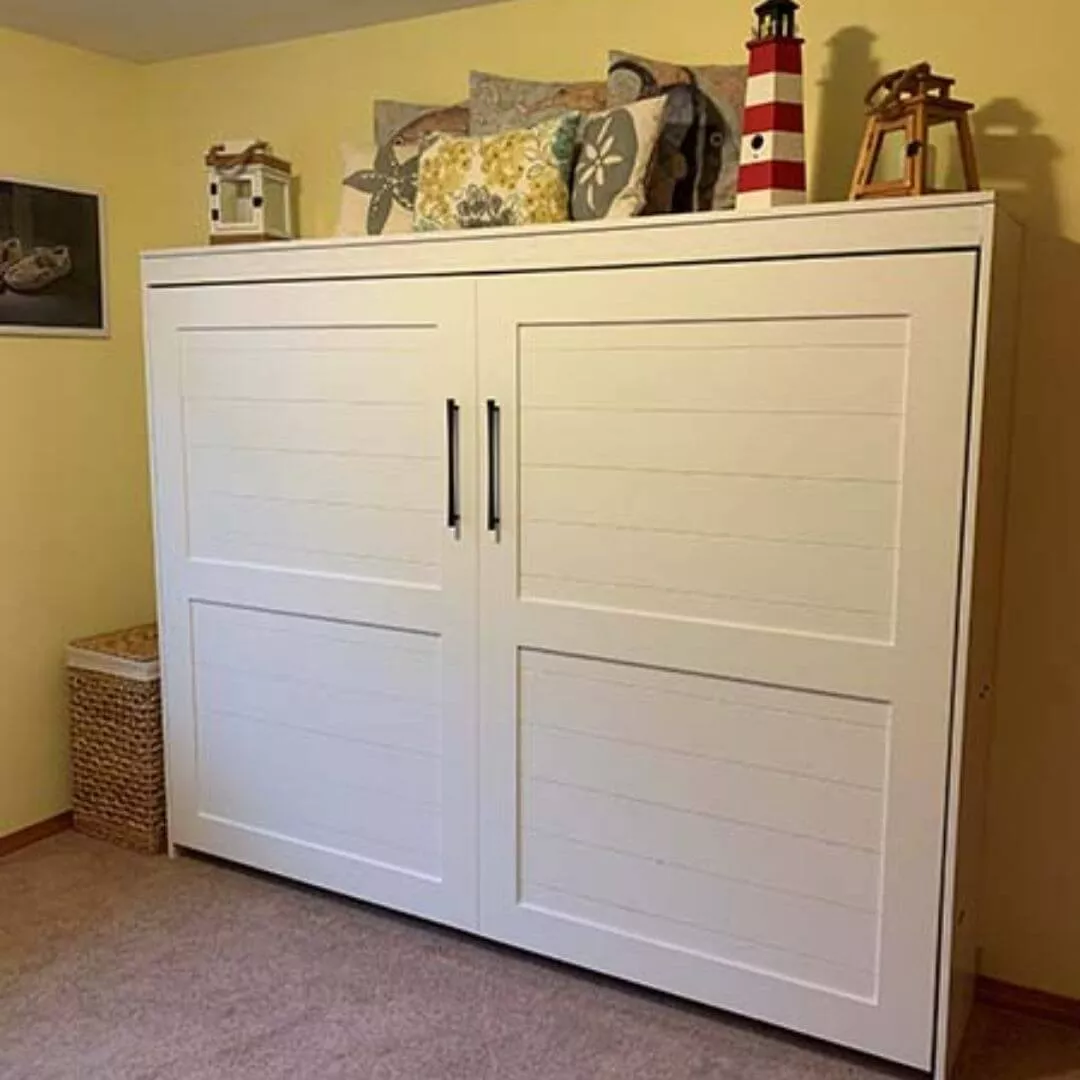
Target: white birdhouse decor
<point>250,193</point>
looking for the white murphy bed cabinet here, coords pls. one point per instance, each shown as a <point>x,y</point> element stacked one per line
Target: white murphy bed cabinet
<point>608,591</point>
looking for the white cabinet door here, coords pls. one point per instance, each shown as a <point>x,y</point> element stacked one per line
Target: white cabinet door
<point>319,613</point>
<point>717,626</point>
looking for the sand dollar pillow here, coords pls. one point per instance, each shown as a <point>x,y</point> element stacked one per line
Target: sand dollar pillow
<point>615,160</point>
<point>520,177</point>
<point>378,192</point>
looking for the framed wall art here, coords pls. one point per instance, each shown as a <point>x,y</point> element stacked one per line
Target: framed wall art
<point>52,278</point>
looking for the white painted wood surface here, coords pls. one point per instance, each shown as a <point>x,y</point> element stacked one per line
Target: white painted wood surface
<point>603,595</point>
<point>873,226</point>
<point>975,692</point>
<point>319,615</point>
<point>688,718</point>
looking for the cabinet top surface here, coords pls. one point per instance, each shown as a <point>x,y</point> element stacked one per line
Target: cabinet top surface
<point>873,226</point>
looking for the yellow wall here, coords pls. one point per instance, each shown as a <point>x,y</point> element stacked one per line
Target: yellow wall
<point>307,96</point>
<point>74,540</point>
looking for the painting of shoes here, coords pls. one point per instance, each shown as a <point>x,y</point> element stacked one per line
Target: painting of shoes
<point>11,252</point>
<point>38,270</point>
<point>52,271</point>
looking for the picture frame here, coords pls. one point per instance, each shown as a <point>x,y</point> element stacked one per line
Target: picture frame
<point>52,260</point>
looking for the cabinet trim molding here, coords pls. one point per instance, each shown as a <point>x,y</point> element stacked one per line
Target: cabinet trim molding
<point>877,226</point>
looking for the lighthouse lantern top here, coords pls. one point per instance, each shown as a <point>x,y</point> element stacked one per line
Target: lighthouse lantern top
<point>775,20</point>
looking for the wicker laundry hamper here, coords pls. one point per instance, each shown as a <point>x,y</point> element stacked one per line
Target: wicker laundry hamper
<point>117,753</point>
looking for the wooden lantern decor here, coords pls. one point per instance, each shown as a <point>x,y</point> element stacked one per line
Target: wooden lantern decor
<point>250,193</point>
<point>911,102</point>
<point>772,161</point>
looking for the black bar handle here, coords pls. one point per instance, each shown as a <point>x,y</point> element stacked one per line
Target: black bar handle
<point>453,506</point>
<point>494,433</point>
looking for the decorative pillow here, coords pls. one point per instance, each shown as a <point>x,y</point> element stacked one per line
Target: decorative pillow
<point>408,124</point>
<point>698,162</point>
<point>500,104</point>
<point>520,177</point>
<point>617,149</point>
<point>378,193</point>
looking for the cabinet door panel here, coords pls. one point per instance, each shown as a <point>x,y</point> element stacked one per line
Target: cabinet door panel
<point>319,615</point>
<point>717,630</point>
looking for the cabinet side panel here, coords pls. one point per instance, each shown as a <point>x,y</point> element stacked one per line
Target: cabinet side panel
<point>996,341</point>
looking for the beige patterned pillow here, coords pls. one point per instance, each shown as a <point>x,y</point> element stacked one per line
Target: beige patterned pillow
<point>377,192</point>
<point>499,104</point>
<point>520,177</point>
<point>378,188</point>
<point>615,160</point>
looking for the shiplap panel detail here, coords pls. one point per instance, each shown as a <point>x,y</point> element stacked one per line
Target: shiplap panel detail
<point>340,722</point>
<point>315,450</point>
<point>348,532</point>
<point>264,644</point>
<point>364,715</point>
<point>866,380</point>
<point>702,744</point>
<point>707,718</point>
<point>745,472</point>
<point>821,331</point>
<point>837,447</point>
<point>792,864</point>
<point>636,925</point>
<point>749,507</point>
<point>797,806</point>
<point>794,924</point>
<point>380,430</point>
<point>734,692</point>
<point>244,551</point>
<point>857,580</point>
<point>740,820</point>
<point>382,483</point>
<point>341,815</point>
<point>283,758</point>
<point>350,365</point>
<point>693,606</point>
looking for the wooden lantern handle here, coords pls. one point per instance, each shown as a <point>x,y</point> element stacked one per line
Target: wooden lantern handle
<point>885,94</point>
<point>232,164</point>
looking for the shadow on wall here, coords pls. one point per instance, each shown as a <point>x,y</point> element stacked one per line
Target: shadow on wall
<point>851,69</point>
<point>1030,932</point>
<point>1017,161</point>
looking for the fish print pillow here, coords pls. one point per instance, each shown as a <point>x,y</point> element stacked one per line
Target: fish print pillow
<point>497,103</point>
<point>698,161</point>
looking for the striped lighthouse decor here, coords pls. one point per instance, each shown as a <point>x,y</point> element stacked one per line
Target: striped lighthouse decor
<point>772,165</point>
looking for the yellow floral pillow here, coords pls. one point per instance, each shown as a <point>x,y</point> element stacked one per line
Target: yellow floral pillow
<point>520,177</point>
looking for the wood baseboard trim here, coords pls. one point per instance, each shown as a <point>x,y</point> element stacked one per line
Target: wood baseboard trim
<point>32,834</point>
<point>1037,1003</point>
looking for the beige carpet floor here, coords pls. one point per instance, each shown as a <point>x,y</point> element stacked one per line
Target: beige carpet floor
<point>118,967</point>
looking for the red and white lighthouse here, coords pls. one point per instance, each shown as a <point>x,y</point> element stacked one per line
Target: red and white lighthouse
<point>772,165</point>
